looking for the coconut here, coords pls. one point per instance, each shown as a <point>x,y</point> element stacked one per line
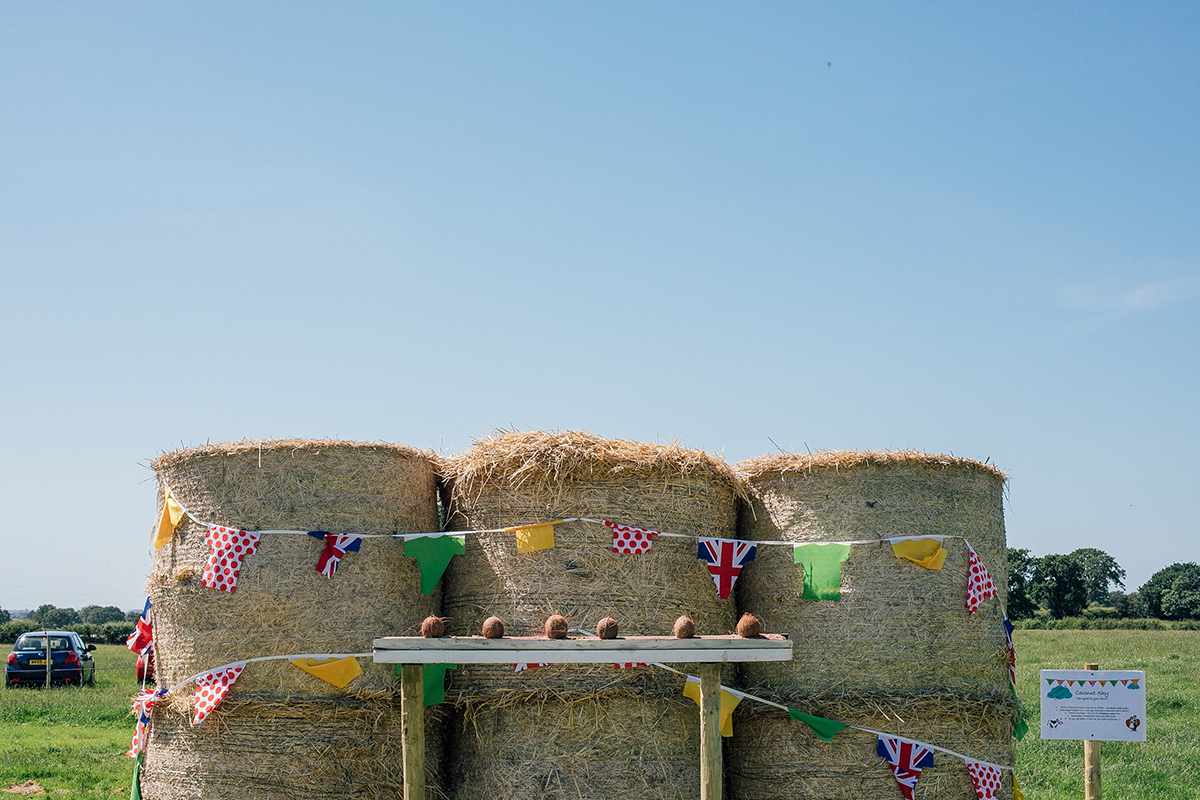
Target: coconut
<point>433,627</point>
<point>684,628</point>
<point>493,628</point>
<point>607,628</point>
<point>556,627</point>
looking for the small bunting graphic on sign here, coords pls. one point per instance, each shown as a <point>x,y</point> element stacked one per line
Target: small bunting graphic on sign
<point>229,546</point>
<point>907,759</point>
<point>168,521</point>
<point>980,585</point>
<point>628,540</point>
<point>986,779</point>
<point>725,559</point>
<point>212,687</point>
<point>531,538</point>
<point>336,547</point>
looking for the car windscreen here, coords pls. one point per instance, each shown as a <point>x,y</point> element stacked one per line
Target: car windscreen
<point>27,643</point>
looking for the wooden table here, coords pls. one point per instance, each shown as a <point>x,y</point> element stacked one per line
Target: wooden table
<point>412,652</point>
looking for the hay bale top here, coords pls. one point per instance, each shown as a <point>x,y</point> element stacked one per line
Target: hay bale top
<point>535,459</point>
<point>177,457</point>
<point>834,460</point>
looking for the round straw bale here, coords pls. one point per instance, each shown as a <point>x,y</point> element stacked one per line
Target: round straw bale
<point>514,478</point>
<point>771,756</point>
<point>587,749</point>
<point>299,749</point>
<point>282,605</point>
<point>898,627</point>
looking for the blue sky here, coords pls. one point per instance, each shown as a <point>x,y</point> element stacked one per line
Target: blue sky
<point>957,228</point>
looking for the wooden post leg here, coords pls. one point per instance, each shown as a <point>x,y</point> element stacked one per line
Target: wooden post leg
<point>710,732</point>
<point>412,724</point>
<point>1091,762</point>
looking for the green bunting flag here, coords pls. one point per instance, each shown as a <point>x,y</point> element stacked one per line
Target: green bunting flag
<point>824,728</point>
<point>822,569</point>
<point>435,682</point>
<point>135,791</point>
<point>433,554</point>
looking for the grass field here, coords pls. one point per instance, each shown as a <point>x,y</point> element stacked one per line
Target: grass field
<point>1167,765</point>
<point>72,741</point>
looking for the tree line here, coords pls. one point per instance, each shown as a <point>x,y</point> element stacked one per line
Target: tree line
<point>99,624</point>
<point>1090,580</point>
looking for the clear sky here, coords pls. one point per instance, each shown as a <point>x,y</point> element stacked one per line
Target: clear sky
<point>962,228</point>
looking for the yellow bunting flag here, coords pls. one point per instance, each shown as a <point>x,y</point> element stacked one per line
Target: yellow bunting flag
<point>534,537</point>
<point>729,701</point>
<point>338,671</point>
<point>1017,793</point>
<point>929,553</point>
<point>172,513</point>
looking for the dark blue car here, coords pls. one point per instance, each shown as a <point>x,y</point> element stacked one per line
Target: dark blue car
<point>72,661</point>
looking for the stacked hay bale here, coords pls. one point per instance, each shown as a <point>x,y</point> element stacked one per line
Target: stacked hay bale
<point>898,652</point>
<point>281,731</point>
<point>570,730</point>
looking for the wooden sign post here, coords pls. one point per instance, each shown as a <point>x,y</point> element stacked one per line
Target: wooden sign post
<point>709,651</point>
<point>1091,761</point>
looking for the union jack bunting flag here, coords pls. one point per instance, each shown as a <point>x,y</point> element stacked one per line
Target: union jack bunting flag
<point>143,635</point>
<point>907,760</point>
<point>336,546</point>
<point>1012,653</point>
<point>143,706</point>
<point>725,559</point>
<point>523,667</point>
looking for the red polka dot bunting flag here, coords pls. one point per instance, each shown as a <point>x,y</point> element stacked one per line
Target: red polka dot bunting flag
<point>979,583</point>
<point>212,687</point>
<point>634,541</point>
<point>986,779</point>
<point>228,547</point>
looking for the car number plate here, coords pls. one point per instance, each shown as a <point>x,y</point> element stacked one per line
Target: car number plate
<point>37,662</point>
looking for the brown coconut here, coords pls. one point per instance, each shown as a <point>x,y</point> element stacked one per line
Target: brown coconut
<point>607,628</point>
<point>493,628</point>
<point>556,627</point>
<point>433,627</point>
<point>684,628</point>
<point>749,626</point>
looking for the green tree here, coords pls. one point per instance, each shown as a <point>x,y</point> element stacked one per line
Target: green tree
<point>49,617</point>
<point>98,615</point>
<point>1182,599</point>
<point>4,615</point>
<point>1020,573</point>
<point>1152,590</point>
<point>1100,571</point>
<point>1058,584</point>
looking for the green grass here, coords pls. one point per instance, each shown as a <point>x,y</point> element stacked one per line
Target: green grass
<point>1164,767</point>
<point>72,740</point>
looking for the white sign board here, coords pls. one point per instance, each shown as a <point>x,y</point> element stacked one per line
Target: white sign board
<point>1103,705</point>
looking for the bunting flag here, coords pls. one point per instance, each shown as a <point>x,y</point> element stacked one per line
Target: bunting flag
<point>168,521</point>
<point>433,554</point>
<point>1017,793</point>
<point>143,635</point>
<point>1012,653</point>
<point>523,667</point>
<point>135,790</point>
<point>630,664</point>
<point>824,728</point>
<point>925,552</point>
<point>1020,725</point>
<point>434,676</point>
<point>229,546</point>
<point>725,559</point>
<point>729,701</point>
<point>986,779</point>
<point>634,541</point>
<point>143,707</point>
<point>907,760</point>
<point>336,546</point>
<point>211,688</point>
<point>822,569</point>
<point>337,671</point>
<point>980,585</point>
<point>534,537</point>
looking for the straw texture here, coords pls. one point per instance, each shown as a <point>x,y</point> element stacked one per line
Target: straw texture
<point>513,478</point>
<point>770,756</point>
<point>621,747</point>
<point>298,749</point>
<point>282,604</point>
<point>898,628</point>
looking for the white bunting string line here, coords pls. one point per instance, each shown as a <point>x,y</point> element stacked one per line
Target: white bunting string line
<point>764,701</point>
<point>293,657</point>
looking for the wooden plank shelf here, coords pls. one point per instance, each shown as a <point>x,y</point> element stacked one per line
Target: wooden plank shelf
<point>664,649</point>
